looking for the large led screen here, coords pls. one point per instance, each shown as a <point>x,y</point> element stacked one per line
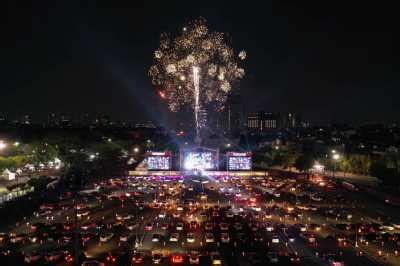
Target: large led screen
<point>200,161</point>
<point>239,163</point>
<point>159,162</point>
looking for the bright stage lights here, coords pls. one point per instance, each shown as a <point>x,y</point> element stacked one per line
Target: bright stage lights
<point>199,161</point>
<point>239,161</point>
<point>159,160</point>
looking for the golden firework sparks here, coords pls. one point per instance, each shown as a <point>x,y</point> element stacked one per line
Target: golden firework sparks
<point>208,51</point>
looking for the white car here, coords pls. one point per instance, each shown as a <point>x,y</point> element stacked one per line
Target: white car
<point>216,259</point>
<point>229,214</point>
<point>194,258</point>
<point>123,238</point>
<point>33,257</point>
<point>209,238</point>
<point>122,217</point>
<point>225,238</point>
<point>387,227</point>
<point>190,238</point>
<point>291,238</point>
<point>162,215</point>
<point>83,213</point>
<point>257,208</point>
<point>316,198</point>
<point>269,228</point>
<point>174,237</point>
<point>106,237</point>
<point>273,257</point>
<point>131,226</point>
<point>179,226</point>
<point>396,225</point>
<point>275,239</point>
<point>156,238</point>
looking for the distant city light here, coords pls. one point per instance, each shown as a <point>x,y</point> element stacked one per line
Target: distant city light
<point>336,156</point>
<point>318,167</point>
<point>3,145</point>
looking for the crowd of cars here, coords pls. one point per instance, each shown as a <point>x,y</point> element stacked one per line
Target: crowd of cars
<point>224,221</point>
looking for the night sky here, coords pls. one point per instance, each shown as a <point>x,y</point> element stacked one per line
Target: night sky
<point>327,61</point>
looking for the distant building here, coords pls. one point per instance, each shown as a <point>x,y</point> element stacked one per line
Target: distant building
<point>65,120</point>
<point>26,119</point>
<point>235,113</point>
<point>289,120</point>
<point>262,121</point>
<point>52,120</point>
<point>269,121</point>
<point>3,119</point>
<point>305,124</point>
<point>253,121</point>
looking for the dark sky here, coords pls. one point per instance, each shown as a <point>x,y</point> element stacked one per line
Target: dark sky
<point>324,59</point>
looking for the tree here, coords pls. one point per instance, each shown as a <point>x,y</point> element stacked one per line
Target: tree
<point>345,165</point>
<point>388,176</point>
<point>78,169</point>
<point>12,162</point>
<point>39,182</point>
<point>392,158</point>
<point>304,162</point>
<point>290,159</point>
<point>359,163</point>
<point>42,152</point>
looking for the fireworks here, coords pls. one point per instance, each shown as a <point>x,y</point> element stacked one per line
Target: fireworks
<point>242,55</point>
<point>195,67</point>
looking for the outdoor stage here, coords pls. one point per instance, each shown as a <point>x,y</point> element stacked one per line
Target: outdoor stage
<point>197,161</point>
<point>205,173</point>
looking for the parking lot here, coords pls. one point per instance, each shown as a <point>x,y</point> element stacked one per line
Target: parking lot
<point>208,221</point>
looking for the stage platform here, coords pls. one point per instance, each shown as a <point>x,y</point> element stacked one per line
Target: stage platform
<point>205,173</point>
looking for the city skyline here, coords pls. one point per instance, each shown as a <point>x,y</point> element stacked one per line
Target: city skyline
<point>319,61</point>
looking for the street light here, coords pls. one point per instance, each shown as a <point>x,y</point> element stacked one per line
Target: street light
<point>136,150</point>
<point>336,158</point>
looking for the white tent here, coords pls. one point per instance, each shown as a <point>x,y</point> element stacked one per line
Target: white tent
<point>8,175</point>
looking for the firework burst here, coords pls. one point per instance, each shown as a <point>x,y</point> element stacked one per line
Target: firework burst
<point>195,47</point>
